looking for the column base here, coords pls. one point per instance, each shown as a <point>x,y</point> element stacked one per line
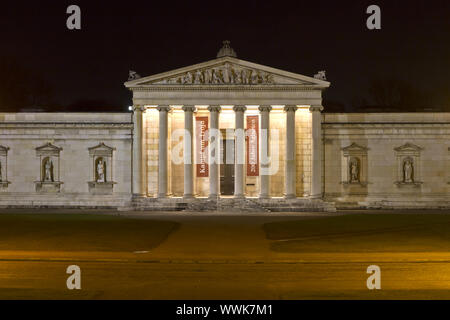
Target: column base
<point>188,196</point>
<point>139,195</point>
<point>239,196</point>
<point>264,196</point>
<point>290,196</point>
<point>162,195</point>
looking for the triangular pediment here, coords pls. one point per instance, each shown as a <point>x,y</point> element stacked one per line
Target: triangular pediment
<point>355,147</point>
<point>102,146</point>
<point>3,150</point>
<point>48,147</point>
<point>101,150</point>
<point>408,147</point>
<point>227,71</point>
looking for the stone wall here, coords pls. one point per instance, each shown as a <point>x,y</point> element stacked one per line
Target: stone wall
<point>404,159</point>
<point>75,143</point>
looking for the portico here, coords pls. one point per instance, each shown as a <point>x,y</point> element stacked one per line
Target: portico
<point>227,128</point>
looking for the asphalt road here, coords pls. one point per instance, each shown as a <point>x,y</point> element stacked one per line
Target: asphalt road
<point>224,257</point>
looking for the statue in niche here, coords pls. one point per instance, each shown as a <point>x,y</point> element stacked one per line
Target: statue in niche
<point>408,171</point>
<point>101,170</point>
<point>1,180</point>
<point>48,170</point>
<point>354,171</point>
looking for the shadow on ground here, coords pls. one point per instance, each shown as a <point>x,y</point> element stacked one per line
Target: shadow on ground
<point>362,233</point>
<point>81,232</point>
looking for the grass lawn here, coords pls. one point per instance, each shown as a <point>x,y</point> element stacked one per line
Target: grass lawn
<point>81,232</point>
<point>362,233</point>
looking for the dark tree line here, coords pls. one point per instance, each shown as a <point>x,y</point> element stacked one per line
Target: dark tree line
<point>23,88</point>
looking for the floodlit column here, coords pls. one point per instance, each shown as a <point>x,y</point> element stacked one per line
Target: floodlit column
<point>317,147</point>
<point>138,163</point>
<point>264,150</point>
<point>290,165</point>
<point>187,152</point>
<point>163,146</point>
<point>239,150</point>
<point>213,149</point>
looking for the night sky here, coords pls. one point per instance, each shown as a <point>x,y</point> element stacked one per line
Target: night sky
<point>87,68</point>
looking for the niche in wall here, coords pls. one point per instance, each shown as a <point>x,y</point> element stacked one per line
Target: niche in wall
<point>101,169</point>
<point>4,168</point>
<point>408,165</point>
<point>448,167</point>
<point>354,169</point>
<point>49,169</point>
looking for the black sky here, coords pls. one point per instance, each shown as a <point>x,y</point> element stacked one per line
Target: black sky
<point>301,36</point>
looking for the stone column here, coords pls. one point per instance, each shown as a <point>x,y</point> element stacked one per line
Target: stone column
<point>188,152</point>
<point>316,149</point>
<point>264,151</point>
<point>162,150</point>
<point>290,165</point>
<point>213,149</point>
<point>239,149</point>
<point>138,161</point>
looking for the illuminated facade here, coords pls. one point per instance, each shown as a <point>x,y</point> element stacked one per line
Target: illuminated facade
<point>228,128</point>
<point>227,135</point>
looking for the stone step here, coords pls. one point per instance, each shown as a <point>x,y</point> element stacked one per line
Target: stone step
<point>232,204</point>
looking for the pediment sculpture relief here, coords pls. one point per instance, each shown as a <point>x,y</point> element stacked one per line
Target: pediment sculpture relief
<point>225,74</point>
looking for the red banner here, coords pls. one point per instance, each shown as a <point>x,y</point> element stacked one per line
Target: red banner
<point>252,146</point>
<point>201,137</point>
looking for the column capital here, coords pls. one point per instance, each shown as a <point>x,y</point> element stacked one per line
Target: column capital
<point>188,108</point>
<point>214,108</point>
<point>239,108</point>
<point>163,108</point>
<point>316,109</point>
<point>265,108</point>
<point>290,108</point>
<point>139,108</point>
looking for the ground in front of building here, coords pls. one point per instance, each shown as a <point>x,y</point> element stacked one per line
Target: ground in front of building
<point>224,255</point>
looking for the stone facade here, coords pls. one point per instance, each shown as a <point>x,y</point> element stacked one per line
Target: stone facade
<point>50,159</point>
<point>274,147</point>
<point>227,93</point>
<point>383,143</point>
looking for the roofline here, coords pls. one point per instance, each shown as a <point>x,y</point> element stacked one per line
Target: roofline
<point>318,82</point>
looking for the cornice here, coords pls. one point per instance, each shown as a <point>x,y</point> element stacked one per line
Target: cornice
<point>13,125</point>
<point>226,88</point>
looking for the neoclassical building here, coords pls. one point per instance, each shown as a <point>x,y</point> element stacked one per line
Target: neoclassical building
<point>225,134</point>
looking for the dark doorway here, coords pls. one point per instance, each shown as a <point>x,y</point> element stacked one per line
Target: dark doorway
<point>227,167</point>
